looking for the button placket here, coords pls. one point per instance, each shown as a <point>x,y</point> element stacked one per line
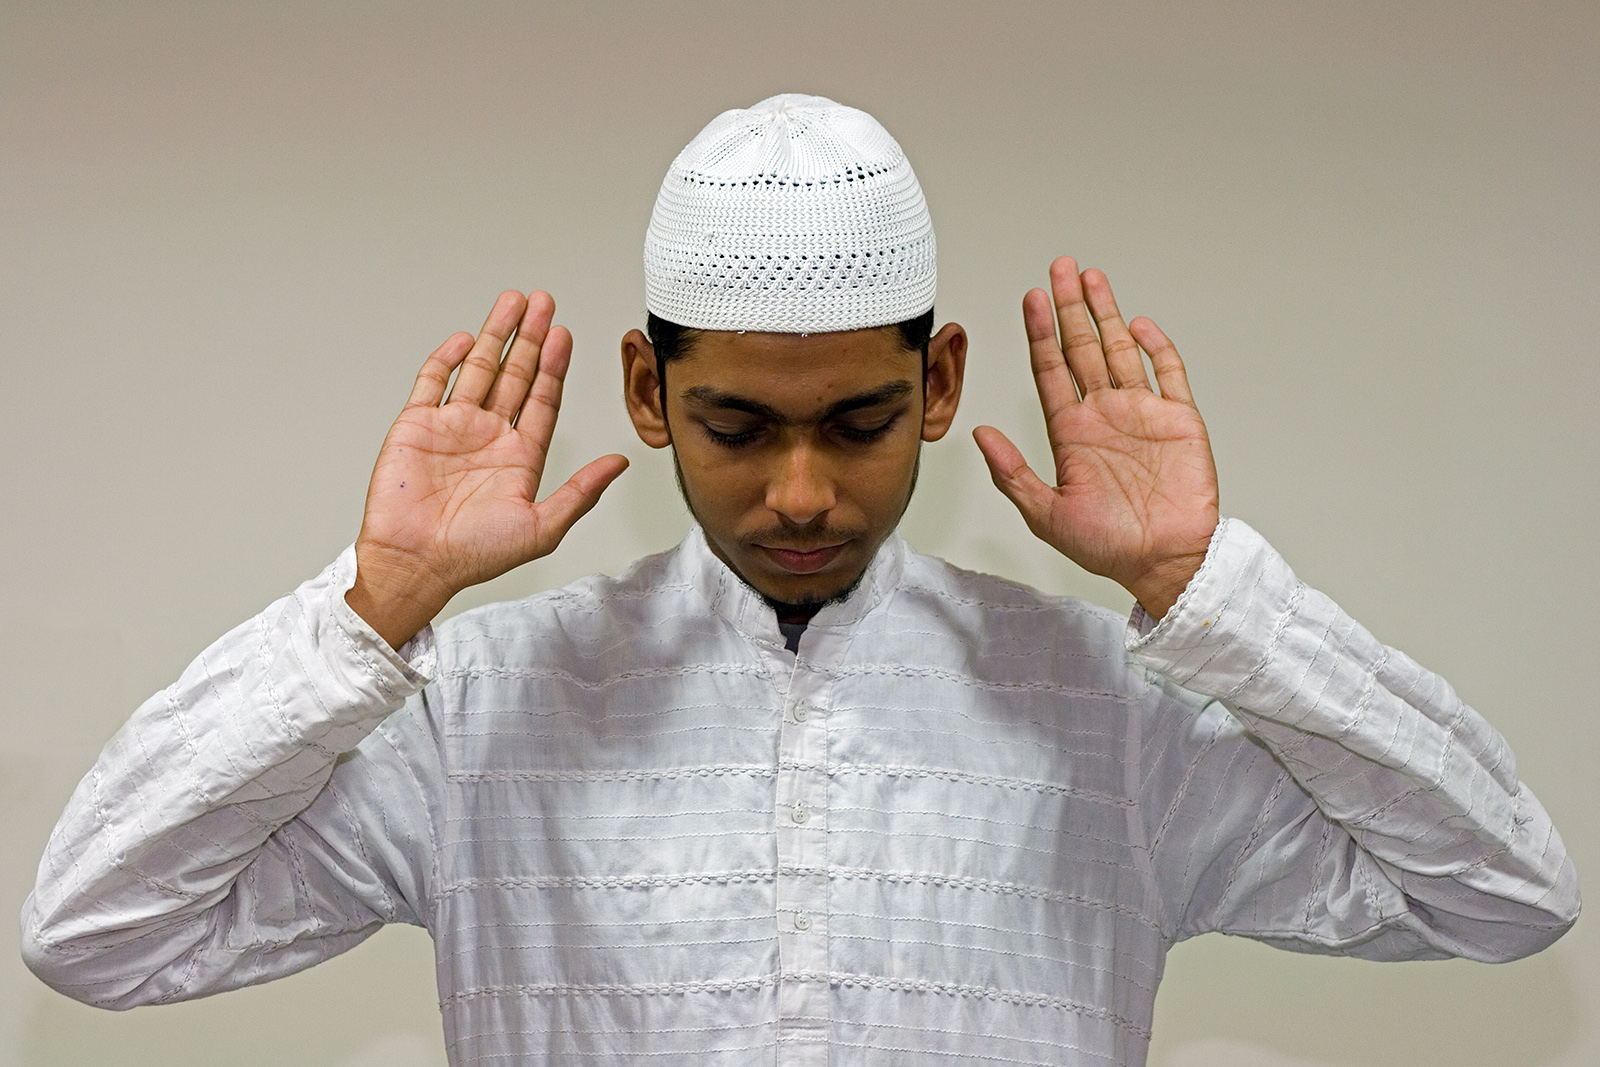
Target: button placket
<point>800,824</point>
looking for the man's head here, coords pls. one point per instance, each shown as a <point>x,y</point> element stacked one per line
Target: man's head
<point>790,279</point>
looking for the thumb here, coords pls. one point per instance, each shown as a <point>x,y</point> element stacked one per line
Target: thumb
<point>556,513</point>
<point>1013,477</point>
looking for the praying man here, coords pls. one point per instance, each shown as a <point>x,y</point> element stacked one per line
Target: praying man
<point>793,793</point>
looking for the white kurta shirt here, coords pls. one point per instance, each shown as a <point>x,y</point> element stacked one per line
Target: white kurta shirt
<point>963,825</point>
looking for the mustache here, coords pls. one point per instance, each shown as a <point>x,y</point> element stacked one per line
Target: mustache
<point>802,538</point>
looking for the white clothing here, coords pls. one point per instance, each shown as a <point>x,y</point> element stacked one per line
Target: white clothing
<point>963,825</point>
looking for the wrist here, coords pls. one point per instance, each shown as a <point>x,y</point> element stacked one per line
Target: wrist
<point>1159,588</point>
<point>395,599</point>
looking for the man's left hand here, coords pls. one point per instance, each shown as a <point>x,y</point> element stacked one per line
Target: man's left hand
<point>1135,497</point>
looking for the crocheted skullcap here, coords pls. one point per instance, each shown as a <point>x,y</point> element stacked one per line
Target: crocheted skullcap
<point>798,215</point>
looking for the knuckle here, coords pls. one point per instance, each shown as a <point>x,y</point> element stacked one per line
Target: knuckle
<point>1105,311</point>
<point>1081,337</point>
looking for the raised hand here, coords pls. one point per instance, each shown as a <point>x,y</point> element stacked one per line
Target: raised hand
<point>452,497</point>
<point>1135,497</point>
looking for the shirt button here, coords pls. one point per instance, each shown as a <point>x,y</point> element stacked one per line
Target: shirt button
<point>802,921</point>
<point>800,713</point>
<point>799,813</point>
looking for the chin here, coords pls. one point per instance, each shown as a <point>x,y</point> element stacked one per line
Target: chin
<point>807,595</point>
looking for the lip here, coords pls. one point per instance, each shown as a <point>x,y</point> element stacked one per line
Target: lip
<point>797,562</point>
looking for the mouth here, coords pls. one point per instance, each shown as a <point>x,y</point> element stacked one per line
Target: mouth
<point>809,561</point>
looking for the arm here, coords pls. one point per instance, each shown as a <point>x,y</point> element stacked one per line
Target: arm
<point>233,831</point>
<point>207,847</point>
<point>1335,795</point>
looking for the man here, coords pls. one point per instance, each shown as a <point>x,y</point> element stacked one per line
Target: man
<point>793,793</point>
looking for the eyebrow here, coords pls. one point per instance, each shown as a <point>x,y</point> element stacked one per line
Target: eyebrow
<point>707,396</point>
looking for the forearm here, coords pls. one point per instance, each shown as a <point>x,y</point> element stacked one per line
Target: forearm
<point>1386,750</point>
<point>191,788</point>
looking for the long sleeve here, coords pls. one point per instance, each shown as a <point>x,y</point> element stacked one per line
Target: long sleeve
<point>208,848</point>
<point>1332,795</point>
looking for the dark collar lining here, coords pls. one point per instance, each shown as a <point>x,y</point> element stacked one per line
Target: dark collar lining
<point>791,634</point>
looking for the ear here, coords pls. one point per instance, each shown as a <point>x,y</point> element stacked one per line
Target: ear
<point>947,365</point>
<point>641,390</point>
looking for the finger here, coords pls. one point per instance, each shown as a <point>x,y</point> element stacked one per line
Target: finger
<point>1172,379</point>
<point>1013,477</point>
<point>483,362</point>
<point>1122,353</point>
<point>434,377</point>
<point>517,370</point>
<point>561,509</point>
<point>537,418</point>
<point>1078,338</point>
<point>1051,376</point>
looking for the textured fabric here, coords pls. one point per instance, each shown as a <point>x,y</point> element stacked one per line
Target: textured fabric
<point>962,825</point>
<point>798,215</point>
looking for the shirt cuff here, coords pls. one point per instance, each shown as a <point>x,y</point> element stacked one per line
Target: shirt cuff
<point>1218,635</point>
<point>402,671</point>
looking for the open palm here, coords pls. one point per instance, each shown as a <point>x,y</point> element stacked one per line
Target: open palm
<point>1135,494</point>
<point>453,498</point>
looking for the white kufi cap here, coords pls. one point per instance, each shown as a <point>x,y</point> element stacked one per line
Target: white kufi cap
<point>799,215</point>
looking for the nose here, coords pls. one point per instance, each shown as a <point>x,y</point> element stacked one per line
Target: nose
<point>802,488</point>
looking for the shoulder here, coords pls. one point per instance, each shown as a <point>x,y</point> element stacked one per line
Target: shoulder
<point>1008,628</point>
<point>993,607</point>
<point>582,620</point>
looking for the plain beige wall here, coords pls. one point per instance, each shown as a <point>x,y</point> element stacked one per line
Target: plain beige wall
<point>232,231</point>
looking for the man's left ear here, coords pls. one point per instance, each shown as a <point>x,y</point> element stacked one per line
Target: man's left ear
<point>947,364</point>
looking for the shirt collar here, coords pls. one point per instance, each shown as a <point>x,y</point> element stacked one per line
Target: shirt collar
<point>728,596</point>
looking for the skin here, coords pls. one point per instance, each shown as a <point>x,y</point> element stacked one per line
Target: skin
<point>452,501</point>
<point>797,453</point>
<point>1135,491</point>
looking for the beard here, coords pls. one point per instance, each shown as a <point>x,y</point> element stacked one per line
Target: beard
<point>797,610</point>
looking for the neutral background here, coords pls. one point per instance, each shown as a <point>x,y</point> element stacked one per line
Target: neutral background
<point>231,232</point>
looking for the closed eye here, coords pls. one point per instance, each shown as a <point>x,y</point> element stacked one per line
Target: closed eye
<point>731,438</point>
<point>865,434</point>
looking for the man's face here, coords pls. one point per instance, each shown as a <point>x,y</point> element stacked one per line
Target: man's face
<point>797,453</point>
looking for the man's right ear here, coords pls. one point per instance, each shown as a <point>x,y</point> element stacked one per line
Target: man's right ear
<point>641,390</point>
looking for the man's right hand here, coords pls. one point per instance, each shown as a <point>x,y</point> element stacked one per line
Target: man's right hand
<point>452,497</point>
